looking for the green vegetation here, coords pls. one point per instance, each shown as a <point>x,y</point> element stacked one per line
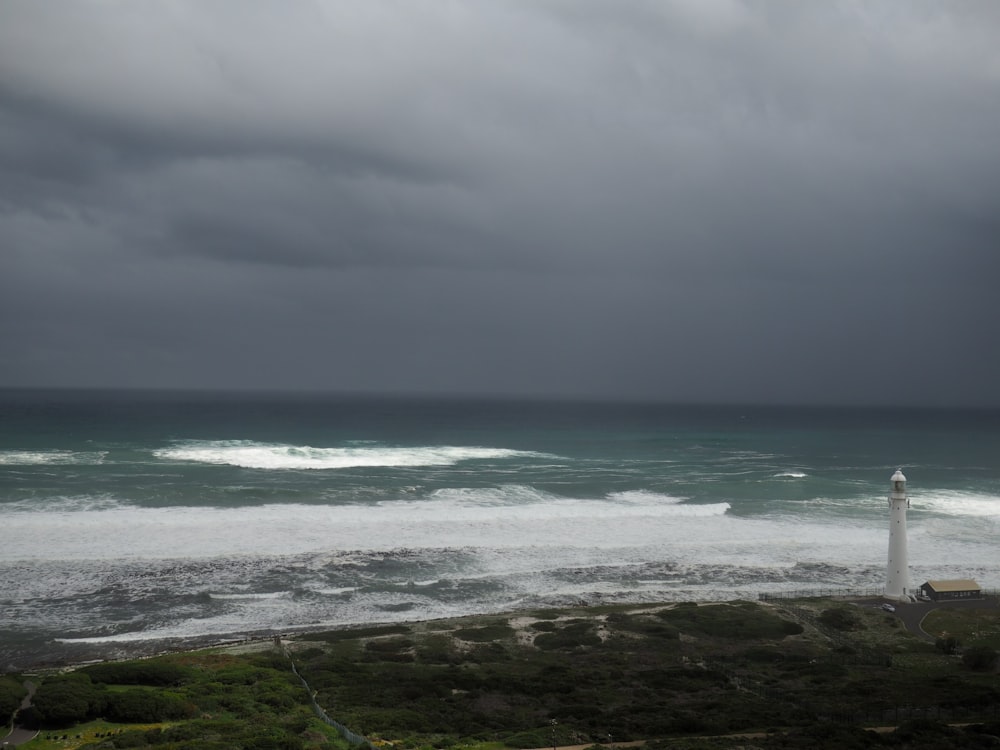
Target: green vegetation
<point>970,627</point>
<point>843,617</point>
<point>579,676</point>
<point>802,674</point>
<point>12,692</point>
<point>204,699</point>
<point>740,621</point>
<point>980,658</point>
<point>493,632</point>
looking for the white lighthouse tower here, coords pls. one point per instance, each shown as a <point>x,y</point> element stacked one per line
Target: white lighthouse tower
<point>897,579</point>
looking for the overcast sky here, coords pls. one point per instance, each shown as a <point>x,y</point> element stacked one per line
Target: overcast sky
<point>681,200</point>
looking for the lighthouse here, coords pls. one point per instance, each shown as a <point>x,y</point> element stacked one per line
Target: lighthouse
<point>897,579</point>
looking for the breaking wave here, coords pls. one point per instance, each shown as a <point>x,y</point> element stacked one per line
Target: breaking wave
<point>249,454</point>
<point>251,595</point>
<point>51,458</point>
<point>62,504</point>
<point>644,497</point>
<point>958,503</point>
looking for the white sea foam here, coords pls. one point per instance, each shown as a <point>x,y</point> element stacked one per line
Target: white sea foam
<point>958,503</point>
<point>251,595</point>
<point>253,455</point>
<point>53,457</point>
<point>513,505</point>
<point>441,520</point>
<point>750,455</point>
<point>527,564</point>
<point>644,497</point>
<point>340,591</point>
<point>503,496</point>
<point>790,475</point>
<point>190,572</point>
<point>60,504</point>
<point>509,516</point>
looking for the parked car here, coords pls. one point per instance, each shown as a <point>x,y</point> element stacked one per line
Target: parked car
<point>888,608</point>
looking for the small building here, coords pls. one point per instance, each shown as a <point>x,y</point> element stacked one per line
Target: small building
<point>939,591</point>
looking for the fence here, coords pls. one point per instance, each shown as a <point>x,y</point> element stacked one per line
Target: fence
<point>821,593</point>
<point>355,739</point>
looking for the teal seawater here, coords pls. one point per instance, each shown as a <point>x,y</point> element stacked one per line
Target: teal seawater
<point>134,518</point>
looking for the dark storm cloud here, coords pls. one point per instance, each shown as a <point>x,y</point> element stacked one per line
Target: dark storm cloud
<point>712,199</point>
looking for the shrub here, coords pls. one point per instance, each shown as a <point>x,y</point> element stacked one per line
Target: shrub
<point>644,625</point>
<point>947,645</point>
<point>538,738</point>
<point>737,622</point>
<point>980,658</point>
<point>12,693</point>
<point>574,635</point>
<point>146,706</point>
<point>130,739</point>
<point>494,632</point>
<point>388,645</point>
<point>544,626</point>
<point>334,636</point>
<point>925,731</point>
<point>154,672</point>
<point>841,618</point>
<point>67,699</point>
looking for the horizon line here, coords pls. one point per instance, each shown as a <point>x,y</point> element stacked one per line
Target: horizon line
<point>555,398</point>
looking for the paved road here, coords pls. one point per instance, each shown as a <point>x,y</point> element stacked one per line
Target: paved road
<point>19,735</point>
<point>912,614</point>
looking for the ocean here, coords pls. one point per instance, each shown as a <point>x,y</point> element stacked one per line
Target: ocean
<point>131,522</point>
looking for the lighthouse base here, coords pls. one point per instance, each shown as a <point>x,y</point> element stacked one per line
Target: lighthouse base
<point>899,597</point>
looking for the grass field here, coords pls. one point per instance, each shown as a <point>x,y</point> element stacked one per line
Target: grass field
<point>972,627</point>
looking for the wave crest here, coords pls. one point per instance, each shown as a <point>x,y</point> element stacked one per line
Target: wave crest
<point>644,497</point>
<point>261,595</point>
<point>50,458</point>
<point>249,454</point>
<point>64,504</point>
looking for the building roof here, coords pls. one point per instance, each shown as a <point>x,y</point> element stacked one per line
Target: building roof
<point>960,584</point>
